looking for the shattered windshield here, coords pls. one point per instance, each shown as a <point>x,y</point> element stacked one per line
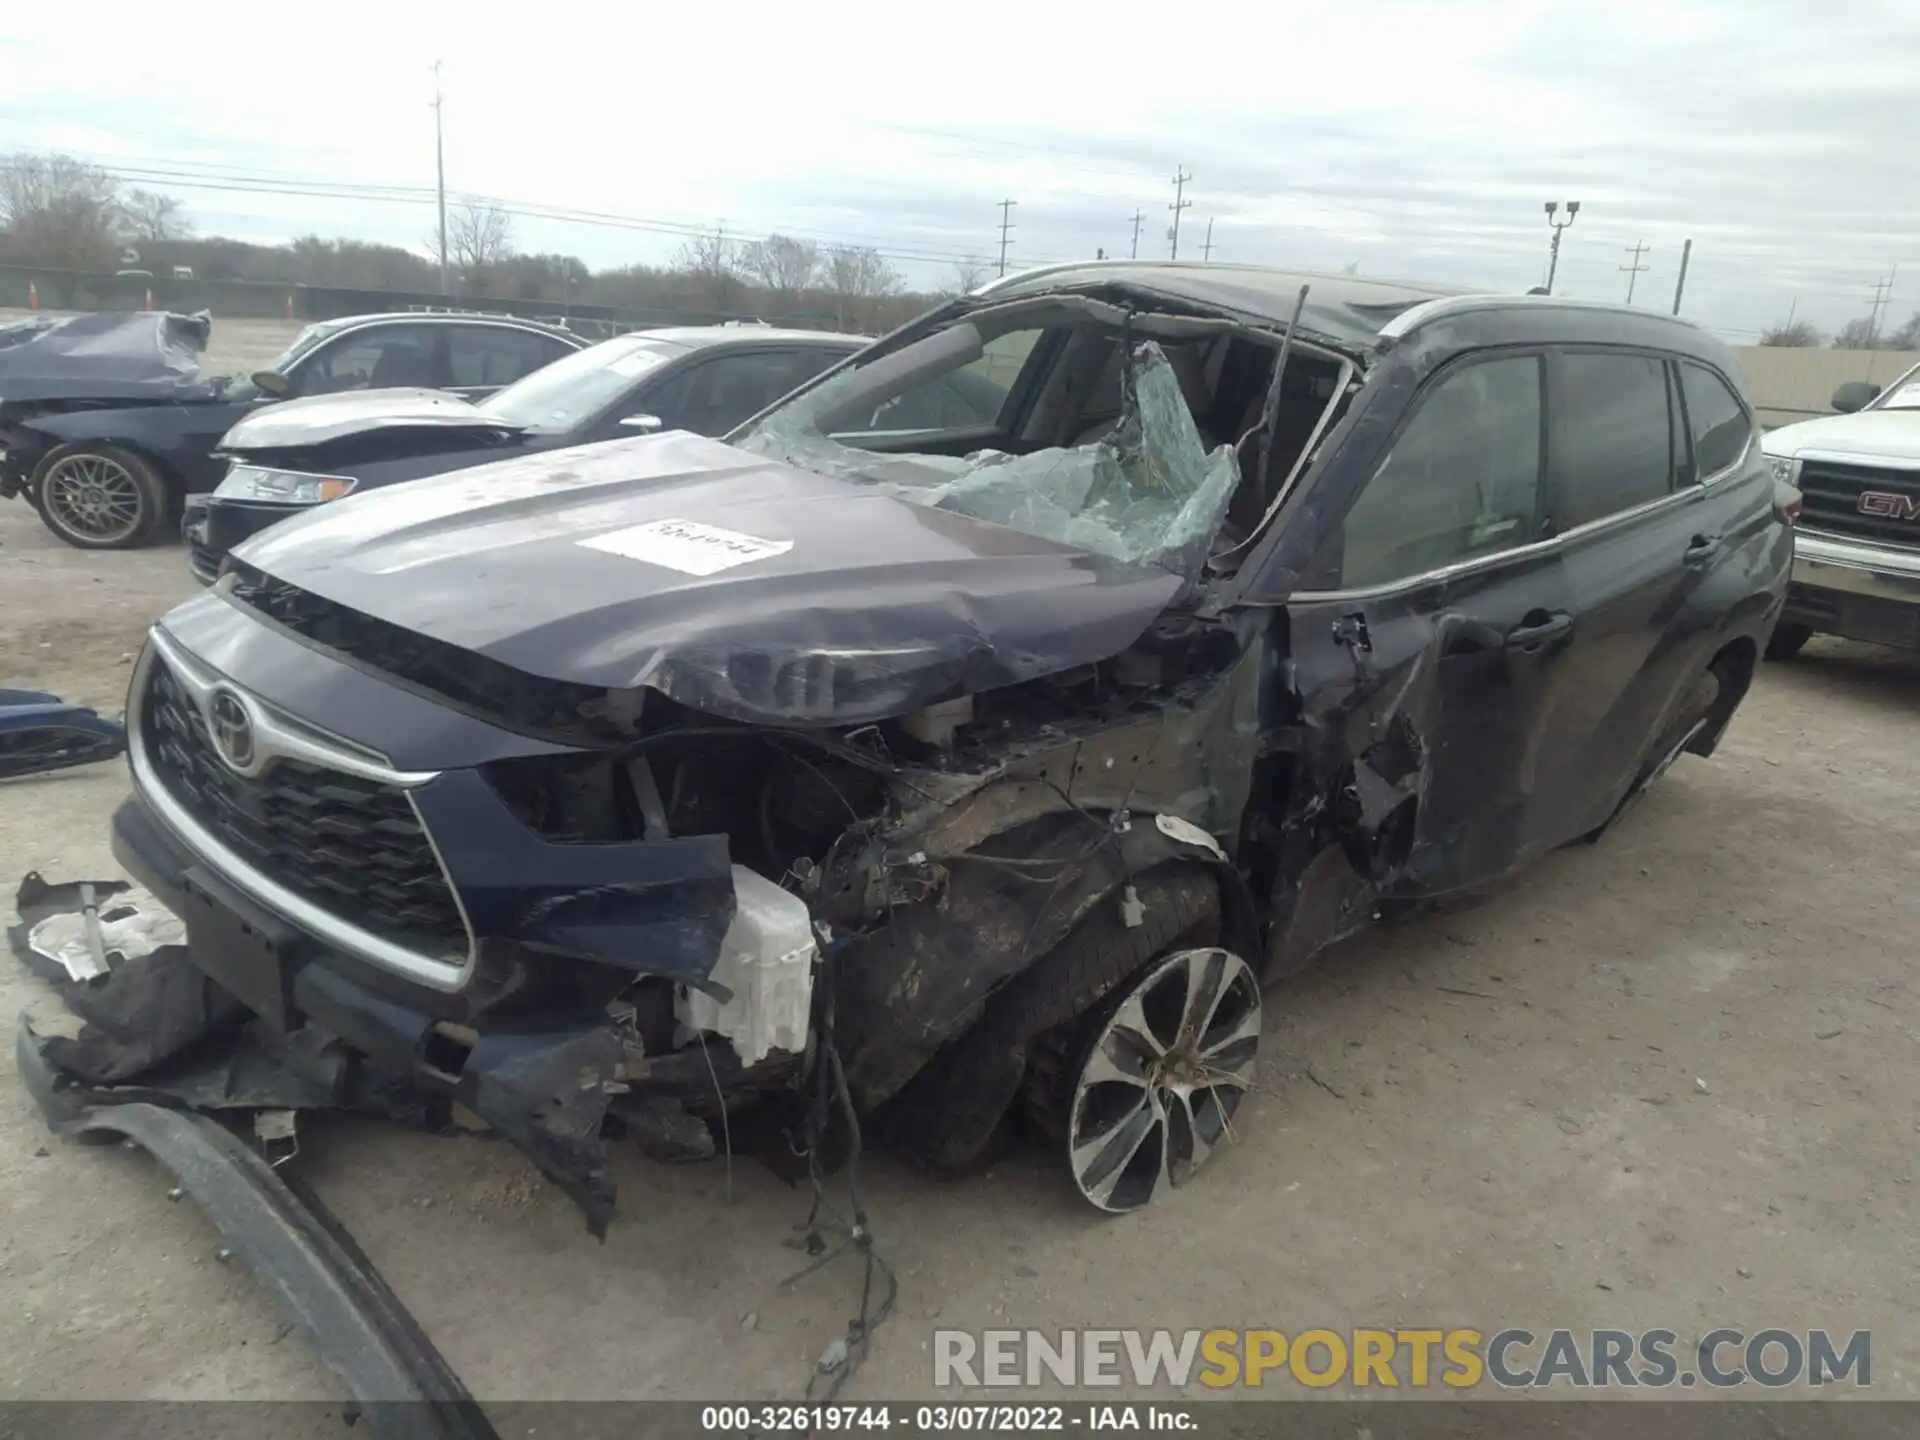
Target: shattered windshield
<point>1904,393</point>
<point>579,386</point>
<point>1148,491</point>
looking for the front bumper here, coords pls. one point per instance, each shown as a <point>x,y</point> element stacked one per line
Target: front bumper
<point>211,526</point>
<point>1854,590</point>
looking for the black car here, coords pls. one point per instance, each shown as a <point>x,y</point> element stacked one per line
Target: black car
<point>702,379</point>
<point>106,423</point>
<point>943,780</point>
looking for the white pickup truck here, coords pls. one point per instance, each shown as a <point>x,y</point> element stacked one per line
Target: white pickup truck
<point>1856,557</point>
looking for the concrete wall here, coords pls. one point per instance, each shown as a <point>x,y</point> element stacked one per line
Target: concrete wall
<point>1788,384</point>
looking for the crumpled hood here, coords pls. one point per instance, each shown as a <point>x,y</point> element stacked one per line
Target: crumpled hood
<point>319,419</point>
<point>142,355</point>
<point>1870,434</point>
<point>737,585</point>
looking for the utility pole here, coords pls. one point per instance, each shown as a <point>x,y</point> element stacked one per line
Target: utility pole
<point>1634,269</point>
<point>1553,251</point>
<point>1006,228</point>
<point>1134,254</point>
<point>1180,179</point>
<point>1882,293</point>
<point>440,173</point>
<point>1680,285</point>
<point>1206,246</point>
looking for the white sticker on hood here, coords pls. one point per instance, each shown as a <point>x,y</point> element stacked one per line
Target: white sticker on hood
<point>687,546</point>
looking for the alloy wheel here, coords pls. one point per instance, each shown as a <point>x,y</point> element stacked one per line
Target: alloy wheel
<point>1158,1086</point>
<point>92,497</point>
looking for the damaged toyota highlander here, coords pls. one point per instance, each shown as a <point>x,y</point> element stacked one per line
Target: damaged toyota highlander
<point>941,782</point>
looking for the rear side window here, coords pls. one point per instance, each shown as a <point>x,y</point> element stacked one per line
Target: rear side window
<point>1461,482</point>
<point>715,395</point>
<point>1721,429</point>
<point>483,356</point>
<point>1612,436</point>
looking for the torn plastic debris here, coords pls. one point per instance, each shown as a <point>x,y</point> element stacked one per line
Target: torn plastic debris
<point>1148,493</point>
<point>132,924</point>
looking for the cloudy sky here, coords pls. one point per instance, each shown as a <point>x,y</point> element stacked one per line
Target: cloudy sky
<point>1410,139</point>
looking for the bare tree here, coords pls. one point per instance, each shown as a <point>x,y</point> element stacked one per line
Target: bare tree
<point>713,262</point>
<point>149,215</point>
<point>858,275</point>
<point>780,264</point>
<point>1907,337</point>
<point>969,274</point>
<point>1861,334</point>
<point>1792,333</point>
<point>59,211</point>
<point>479,236</point>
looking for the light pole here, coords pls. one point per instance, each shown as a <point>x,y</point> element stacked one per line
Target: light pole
<point>440,175</point>
<point>1553,251</point>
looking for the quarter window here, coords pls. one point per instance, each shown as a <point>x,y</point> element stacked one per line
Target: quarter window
<point>1721,429</point>
<point>1613,443</point>
<point>1462,481</point>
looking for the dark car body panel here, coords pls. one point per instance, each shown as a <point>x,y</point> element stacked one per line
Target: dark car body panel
<point>875,605</point>
<point>1328,752</point>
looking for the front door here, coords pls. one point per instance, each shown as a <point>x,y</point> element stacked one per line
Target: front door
<point>1438,623</point>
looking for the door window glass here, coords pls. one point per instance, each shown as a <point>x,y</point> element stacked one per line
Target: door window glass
<point>718,394</point>
<point>1612,436</point>
<point>1462,481</point>
<point>388,355</point>
<point>968,397</point>
<point>483,357</point>
<point>1721,429</point>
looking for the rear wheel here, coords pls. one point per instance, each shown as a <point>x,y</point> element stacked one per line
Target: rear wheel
<point>1787,640</point>
<point>100,497</point>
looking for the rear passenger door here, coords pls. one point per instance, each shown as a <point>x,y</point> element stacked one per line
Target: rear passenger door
<point>1639,537</point>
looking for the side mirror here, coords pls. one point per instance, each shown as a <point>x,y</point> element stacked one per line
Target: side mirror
<point>646,424</point>
<point>1855,395</point>
<point>272,382</point>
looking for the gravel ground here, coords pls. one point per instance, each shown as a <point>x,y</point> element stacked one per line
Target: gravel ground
<point>1664,1081</point>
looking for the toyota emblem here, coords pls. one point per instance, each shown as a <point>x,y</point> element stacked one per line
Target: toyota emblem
<point>232,729</point>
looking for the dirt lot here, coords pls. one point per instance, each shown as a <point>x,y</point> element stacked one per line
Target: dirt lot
<point>1665,1081</point>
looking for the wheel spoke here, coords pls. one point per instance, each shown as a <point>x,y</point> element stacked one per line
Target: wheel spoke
<point>1121,1057</point>
<point>1206,983</point>
<point>1132,1017</point>
<point>1229,1046</point>
<point>1101,1163</point>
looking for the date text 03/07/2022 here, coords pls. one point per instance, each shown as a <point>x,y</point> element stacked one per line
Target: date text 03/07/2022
<point>917,1419</point>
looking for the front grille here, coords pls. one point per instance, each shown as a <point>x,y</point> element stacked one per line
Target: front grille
<point>1832,494</point>
<point>349,845</point>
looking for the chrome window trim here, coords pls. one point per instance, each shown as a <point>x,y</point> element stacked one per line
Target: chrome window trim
<point>304,744</point>
<point>1534,549</point>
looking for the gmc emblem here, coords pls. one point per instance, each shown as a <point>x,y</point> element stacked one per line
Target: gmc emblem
<point>1889,506</point>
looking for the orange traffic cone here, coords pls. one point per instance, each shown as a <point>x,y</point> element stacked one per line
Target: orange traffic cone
<point>33,296</point>
<point>289,306</point>
<point>148,303</point>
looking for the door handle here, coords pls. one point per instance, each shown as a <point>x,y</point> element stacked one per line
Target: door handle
<point>1701,549</point>
<point>1532,636</point>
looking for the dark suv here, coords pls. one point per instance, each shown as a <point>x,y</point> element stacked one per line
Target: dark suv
<point>975,772</point>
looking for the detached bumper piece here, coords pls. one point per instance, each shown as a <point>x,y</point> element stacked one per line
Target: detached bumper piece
<point>39,732</point>
<point>285,1236</point>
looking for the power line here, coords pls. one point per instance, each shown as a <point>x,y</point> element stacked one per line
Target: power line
<point>1180,179</point>
<point>1634,268</point>
<point>230,179</point>
<point>1006,228</point>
